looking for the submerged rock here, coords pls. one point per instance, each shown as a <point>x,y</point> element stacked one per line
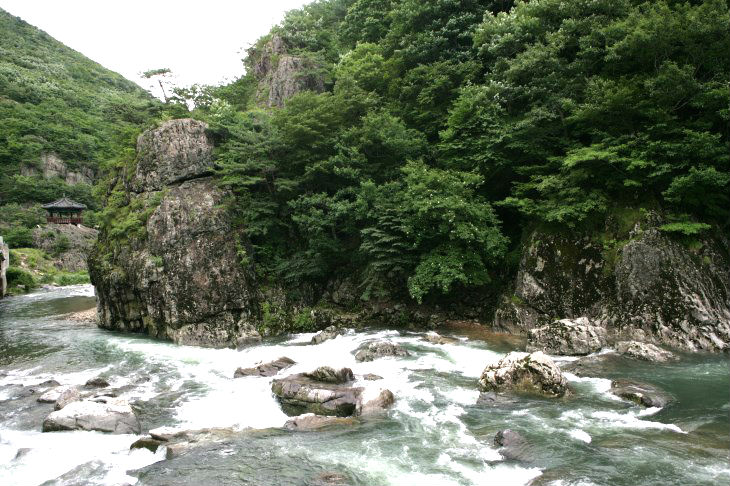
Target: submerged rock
<point>534,372</point>
<point>511,445</point>
<point>595,365</point>
<point>328,333</point>
<point>379,349</point>
<point>310,421</point>
<point>266,369</point>
<point>567,337</point>
<point>640,393</point>
<point>644,351</point>
<point>102,414</point>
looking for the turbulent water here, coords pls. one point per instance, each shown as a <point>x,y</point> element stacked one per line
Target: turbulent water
<point>435,434</point>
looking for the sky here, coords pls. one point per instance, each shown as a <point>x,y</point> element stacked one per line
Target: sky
<point>201,41</point>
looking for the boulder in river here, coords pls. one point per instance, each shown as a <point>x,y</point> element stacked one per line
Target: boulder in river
<point>534,372</point>
<point>50,396</point>
<point>379,349</point>
<point>379,403</point>
<point>328,333</point>
<point>101,414</point>
<point>511,445</point>
<point>567,337</point>
<point>310,421</point>
<point>326,374</point>
<point>265,369</point>
<point>644,351</point>
<point>436,338</point>
<point>371,377</point>
<point>640,393</point>
<point>97,382</point>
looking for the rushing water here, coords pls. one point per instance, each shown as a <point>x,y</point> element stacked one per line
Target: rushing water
<point>435,434</point>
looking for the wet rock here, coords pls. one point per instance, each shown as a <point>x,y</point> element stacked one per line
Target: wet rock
<point>330,332</point>
<point>379,404</point>
<point>492,399</point>
<point>326,374</point>
<point>644,351</point>
<point>70,395</point>
<point>300,394</point>
<point>512,445</point>
<point>102,414</point>
<point>22,452</point>
<point>435,338</point>
<point>595,365</point>
<point>265,369</point>
<point>52,395</point>
<point>640,393</point>
<point>147,443</point>
<point>534,372</point>
<point>331,479</point>
<point>567,337</point>
<point>380,349</point>
<point>247,336</point>
<point>43,386</point>
<point>310,421</point>
<point>371,377</point>
<point>97,382</point>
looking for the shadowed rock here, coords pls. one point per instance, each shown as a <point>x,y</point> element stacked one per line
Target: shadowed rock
<point>97,382</point>
<point>325,374</point>
<point>641,393</point>
<point>328,333</point>
<point>644,351</point>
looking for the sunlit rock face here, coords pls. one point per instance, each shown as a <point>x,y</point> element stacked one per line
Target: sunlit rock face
<point>182,281</point>
<point>651,287</point>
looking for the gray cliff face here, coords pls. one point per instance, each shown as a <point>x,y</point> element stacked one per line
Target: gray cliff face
<point>51,165</point>
<point>655,288</point>
<point>281,75</point>
<point>184,282</point>
<point>77,240</point>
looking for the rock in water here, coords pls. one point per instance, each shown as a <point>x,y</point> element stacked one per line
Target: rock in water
<point>325,374</point>
<point>184,281</point>
<point>512,445</point>
<point>379,349</point>
<point>328,333</point>
<point>70,395</point>
<point>97,382</point>
<point>266,369</point>
<point>640,393</point>
<point>644,351</point>
<point>567,337</point>
<point>534,372</point>
<point>435,338</point>
<point>102,414</point>
<point>380,403</point>
<point>311,421</point>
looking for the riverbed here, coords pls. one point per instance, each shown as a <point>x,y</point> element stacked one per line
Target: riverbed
<point>435,434</point>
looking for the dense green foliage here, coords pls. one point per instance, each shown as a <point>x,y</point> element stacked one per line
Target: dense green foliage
<point>450,126</point>
<point>31,267</point>
<point>53,100</point>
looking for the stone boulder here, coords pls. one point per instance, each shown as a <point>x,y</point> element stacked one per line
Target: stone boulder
<point>310,421</point>
<point>53,394</point>
<point>644,351</point>
<point>511,445</point>
<point>567,337</point>
<point>534,372</point>
<point>435,338</point>
<point>380,349</point>
<point>97,382</point>
<point>643,394</point>
<point>330,332</point>
<point>101,414</point>
<point>380,403</point>
<point>265,369</point>
<point>326,374</point>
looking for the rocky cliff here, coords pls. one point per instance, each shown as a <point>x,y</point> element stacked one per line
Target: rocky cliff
<point>67,244</point>
<point>183,280</point>
<point>651,286</point>
<point>51,165</point>
<point>281,75</point>
<point>4,263</point>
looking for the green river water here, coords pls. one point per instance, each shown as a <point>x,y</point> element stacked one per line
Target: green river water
<point>435,434</point>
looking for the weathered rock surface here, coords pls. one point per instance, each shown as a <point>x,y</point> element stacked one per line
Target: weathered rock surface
<point>54,394</point>
<point>310,421</point>
<point>512,445</point>
<point>282,75</point>
<point>644,351</point>
<point>184,281</point>
<point>371,377</point>
<point>436,338</point>
<point>74,240</point>
<point>51,166</point>
<point>640,393</point>
<point>69,395</point>
<point>380,349</point>
<point>567,337</point>
<point>265,369</point>
<point>650,287</point>
<point>97,382</point>
<point>328,392</point>
<point>101,414</point>
<point>534,372</point>
<point>330,332</point>
<point>180,441</point>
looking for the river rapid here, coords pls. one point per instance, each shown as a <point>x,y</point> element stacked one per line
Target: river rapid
<point>435,434</point>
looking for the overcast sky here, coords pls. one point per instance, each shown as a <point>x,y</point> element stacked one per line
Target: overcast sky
<point>200,40</point>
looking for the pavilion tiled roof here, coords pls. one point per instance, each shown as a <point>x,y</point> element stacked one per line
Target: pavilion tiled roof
<point>64,203</point>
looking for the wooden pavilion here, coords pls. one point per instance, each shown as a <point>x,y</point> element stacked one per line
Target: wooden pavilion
<point>65,211</point>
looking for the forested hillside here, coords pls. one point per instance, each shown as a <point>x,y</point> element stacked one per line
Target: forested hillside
<point>61,117</point>
<point>445,129</point>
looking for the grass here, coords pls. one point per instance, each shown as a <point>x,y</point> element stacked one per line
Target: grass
<point>31,268</point>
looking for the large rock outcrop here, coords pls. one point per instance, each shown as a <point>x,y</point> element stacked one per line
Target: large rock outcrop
<point>52,166</point>
<point>281,75</point>
<point>68,244</point>
<point>648,287</point>
<point>533,372</point>
<point>183,279</point>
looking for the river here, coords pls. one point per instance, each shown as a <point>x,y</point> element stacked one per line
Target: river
<point>435,434</point>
